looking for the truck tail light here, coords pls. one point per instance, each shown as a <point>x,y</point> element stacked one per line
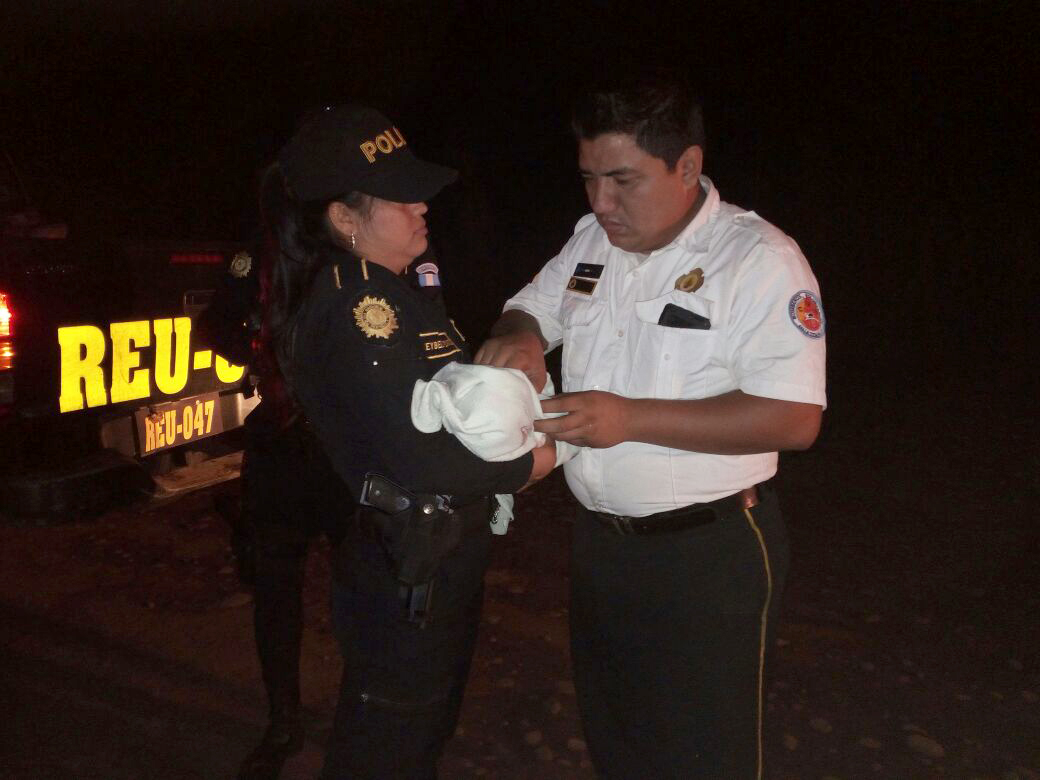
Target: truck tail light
<point>5,316</point>
<point>6,356</point>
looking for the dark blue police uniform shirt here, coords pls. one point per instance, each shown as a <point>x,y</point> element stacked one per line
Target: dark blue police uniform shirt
<point>363,338</point>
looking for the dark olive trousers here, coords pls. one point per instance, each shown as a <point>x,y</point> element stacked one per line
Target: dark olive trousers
<point>669,635</point>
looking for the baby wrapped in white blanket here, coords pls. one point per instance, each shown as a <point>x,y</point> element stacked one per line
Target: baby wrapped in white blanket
<point>491,411</point>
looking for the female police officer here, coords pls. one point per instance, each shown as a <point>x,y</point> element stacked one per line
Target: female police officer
<point>344,209</point>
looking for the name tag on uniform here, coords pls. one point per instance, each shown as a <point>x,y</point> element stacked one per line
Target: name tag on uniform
<point>437,344</point>
<point>585,277</point>
<point>589,270</point>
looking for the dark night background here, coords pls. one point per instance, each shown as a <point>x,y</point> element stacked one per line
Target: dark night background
<point>895,142</point>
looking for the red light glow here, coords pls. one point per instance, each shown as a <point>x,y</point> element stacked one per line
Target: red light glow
<point>5,316</point>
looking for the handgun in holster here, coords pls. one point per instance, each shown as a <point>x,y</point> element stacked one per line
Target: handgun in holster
<point>418,530</point>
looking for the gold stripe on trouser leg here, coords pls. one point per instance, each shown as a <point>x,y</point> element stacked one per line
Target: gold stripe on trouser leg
<point>761,634</point>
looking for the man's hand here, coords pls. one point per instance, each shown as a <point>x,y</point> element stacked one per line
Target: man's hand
<point>520,349</point>
<point>593,419</point>
<point>544,462</point>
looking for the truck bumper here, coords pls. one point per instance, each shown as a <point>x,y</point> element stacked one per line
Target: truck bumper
<point>90,483</point>
<point>79,489</point>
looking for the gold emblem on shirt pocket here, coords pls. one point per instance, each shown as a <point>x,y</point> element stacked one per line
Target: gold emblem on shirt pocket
<point>690,282</point>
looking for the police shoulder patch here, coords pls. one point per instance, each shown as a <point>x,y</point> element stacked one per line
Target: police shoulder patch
<point>806,313</point>
<point>376,318</point>
<point>428,275</point>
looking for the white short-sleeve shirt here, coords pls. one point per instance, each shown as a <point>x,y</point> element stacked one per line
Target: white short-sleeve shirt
<point>763,335</point>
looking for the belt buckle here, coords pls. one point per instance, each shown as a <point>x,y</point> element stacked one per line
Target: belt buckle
<point>748,497</point>
<point>622,524</point>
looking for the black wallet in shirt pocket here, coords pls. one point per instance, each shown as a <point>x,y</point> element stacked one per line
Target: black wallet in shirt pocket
<point>673,316</point>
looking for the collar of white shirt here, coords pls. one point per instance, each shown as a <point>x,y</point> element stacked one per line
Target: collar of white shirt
<point>693,238</point>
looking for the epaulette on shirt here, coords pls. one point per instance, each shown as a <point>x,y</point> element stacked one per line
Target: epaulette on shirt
<point>349,272</point>
<point>763,232</point>
<point>584,223</point>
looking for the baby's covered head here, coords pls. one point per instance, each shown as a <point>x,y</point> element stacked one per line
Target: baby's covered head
<point>490,410</point>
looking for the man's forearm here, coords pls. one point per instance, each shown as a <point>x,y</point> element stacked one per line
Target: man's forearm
<point>515,321</point>
<point>731,424</point>
<point>516,342</point>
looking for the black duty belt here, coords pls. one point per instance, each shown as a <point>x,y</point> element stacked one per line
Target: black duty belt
<point>461,502</point>
<point>682,518</point>
<point>474,513</point>
<point>417,531</point>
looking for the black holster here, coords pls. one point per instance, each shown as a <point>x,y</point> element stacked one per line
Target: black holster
<point>417,531</point>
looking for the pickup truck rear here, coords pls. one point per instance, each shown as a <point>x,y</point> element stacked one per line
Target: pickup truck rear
<point>103,379</point>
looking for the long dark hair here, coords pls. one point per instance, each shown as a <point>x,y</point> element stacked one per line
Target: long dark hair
<point>297,243</point>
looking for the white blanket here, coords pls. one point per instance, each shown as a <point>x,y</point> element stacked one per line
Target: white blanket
<point>491,411</point>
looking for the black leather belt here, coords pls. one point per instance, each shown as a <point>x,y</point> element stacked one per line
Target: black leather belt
<point>682,518</point>
<point>460,502</point>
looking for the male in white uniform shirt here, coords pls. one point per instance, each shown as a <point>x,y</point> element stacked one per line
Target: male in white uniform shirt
<point>693,351</point>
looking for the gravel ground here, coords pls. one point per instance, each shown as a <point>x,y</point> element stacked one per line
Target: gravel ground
<point>907,648</point>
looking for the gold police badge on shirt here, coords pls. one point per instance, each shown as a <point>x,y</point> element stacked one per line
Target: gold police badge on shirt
<point>375,317</point>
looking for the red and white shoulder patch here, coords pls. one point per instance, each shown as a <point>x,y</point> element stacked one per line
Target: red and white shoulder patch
<point>806,313</point>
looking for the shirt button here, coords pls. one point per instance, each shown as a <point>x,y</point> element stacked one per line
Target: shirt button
<point>620,333</point>
<point>667,356</point>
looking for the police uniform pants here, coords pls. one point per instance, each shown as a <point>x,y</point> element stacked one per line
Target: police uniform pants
<point>290,496</point>
<point>669,635</point>
<point>280,556</point>
<point>402,683</point>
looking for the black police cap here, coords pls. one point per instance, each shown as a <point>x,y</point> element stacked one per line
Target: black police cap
<point>354,148</point>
